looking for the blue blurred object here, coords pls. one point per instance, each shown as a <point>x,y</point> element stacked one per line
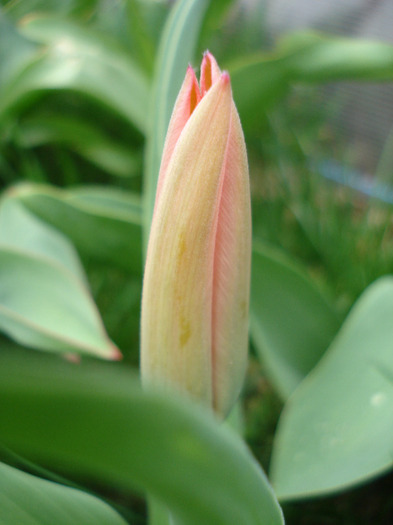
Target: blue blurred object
<point>354,179</point>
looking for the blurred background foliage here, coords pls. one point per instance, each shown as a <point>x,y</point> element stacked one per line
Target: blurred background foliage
<point>78,87</point>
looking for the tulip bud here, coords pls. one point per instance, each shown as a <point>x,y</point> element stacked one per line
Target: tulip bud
<point>194,328</point>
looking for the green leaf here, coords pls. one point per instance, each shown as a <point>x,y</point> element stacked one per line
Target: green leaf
<point>44,300</point>
<point>21,230</point>
<point>95,419</point>
<point>336,430</point>
<point>77,58</point>
<point>214,21</point>
<point>261,81</point>
<point>176,50</point>
<point>320,58</point>
<point>138,32</point>
<point>30,500</point>
<point>15,50</point>
<point>103,223</point>
<point>292,323</point>
<point>81,137</point>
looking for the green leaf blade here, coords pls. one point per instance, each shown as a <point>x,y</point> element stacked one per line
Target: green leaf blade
<point>113,215</point>
<point>44,298</point>
<point>77,58</point>
<point>132,439</point>
<point>22,231</point>
<point>30,500</point>
<point>305,58</point>
<point>335,431</point>
<point>81,137</point>
<point>44,306</point>
<point>292,323</point>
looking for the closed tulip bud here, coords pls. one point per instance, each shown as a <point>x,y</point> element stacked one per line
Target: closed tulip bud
<point>194,328</point>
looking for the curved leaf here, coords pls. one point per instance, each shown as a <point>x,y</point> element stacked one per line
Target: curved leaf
<point>44,299</point>
<point>292,323</point>
<point>45,306</point>
<point>22,49</point>
<point>320,58</point>
<point>95,419</point>
<point>114,216</point>
<point>81,137</point>
<point>21,230</point>
<point>336,430</point>
<point>306,57</point>
<point>30,500</point>
<point>78,58</point>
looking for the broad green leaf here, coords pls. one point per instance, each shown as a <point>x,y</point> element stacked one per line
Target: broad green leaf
<point>292,323</point>
<point>77,58</point>
<point>94,419</point>
<point>260,81</point>
<point>44,299</point>
<point>336,430</point>
<point>21,230</point>
<point>176,50</point>
<point>29,500</point>
<point>103,223</point>
<point>45,306</point>
<point>81,137</point>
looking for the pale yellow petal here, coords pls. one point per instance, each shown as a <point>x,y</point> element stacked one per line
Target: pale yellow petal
<point>177,296</point>
<point>231,281</point>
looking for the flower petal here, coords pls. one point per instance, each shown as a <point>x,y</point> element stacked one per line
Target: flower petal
<point>231,281</point>
<point>178,283</point>
<point>210,72</point>
<point>186,102</point>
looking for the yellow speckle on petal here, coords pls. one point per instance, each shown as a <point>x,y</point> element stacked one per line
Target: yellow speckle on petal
<point>185,331</point>
<point>243,309</point>
<point>182,248</point>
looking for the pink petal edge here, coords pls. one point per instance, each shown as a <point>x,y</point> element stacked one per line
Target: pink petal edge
<point>187,100</point>
<point>231,273</point>
<point>210,72</point>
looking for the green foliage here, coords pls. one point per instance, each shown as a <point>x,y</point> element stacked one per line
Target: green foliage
<point>175,52</point>
<point>112,214</point>
<point>83,138</point>
<point>44,301</point>
<point>132,439</point>
<point>86,93</point>
<point>290,341</point>
<point>30,500</point>
<point>74,58</point>
<point>335,430</point>
<point>305,58</point>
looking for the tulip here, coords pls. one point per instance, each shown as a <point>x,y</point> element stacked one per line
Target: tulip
<point>194,328</point>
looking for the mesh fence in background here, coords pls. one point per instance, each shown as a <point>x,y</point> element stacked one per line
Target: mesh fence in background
<point>364,111</point>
